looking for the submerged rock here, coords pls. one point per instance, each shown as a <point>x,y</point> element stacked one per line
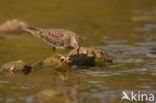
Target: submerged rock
<point>58,95</point>
<point>14,26</point>
<point>12,67</point>
<point>54,60</point>
<point>51,96</point>
<point>49,93</point>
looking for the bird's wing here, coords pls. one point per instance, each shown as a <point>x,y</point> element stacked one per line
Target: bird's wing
<point>52,36</point>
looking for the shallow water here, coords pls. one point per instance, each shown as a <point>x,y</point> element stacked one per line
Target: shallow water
<point>124,29</point>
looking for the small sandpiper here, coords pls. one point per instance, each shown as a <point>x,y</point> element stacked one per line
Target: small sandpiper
<point>57,38</point>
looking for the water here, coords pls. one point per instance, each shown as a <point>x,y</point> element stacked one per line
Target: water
<point>124,29</point>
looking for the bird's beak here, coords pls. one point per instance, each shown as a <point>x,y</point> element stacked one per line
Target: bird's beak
<point>29,29</point>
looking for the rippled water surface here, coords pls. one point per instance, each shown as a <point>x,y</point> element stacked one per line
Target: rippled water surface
<point>125,29</point>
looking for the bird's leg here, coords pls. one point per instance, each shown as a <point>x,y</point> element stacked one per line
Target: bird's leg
<point>78,51</point>
<point>54,49</point>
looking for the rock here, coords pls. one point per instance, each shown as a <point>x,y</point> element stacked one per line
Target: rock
<point>14,66</point>
<point>54,61</point>
<point>14,26</point>
<point>88,57</point>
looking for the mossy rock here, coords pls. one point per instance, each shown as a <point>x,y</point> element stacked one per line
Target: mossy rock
<point>54,61</point>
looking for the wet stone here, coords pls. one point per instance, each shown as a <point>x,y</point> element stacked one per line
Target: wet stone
<point>56,60</point>
<point>88,57</point>
<point>12,67</point>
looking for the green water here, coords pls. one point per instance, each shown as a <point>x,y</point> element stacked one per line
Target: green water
<point>125,29</point>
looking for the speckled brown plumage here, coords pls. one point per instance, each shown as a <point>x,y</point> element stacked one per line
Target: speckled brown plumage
<point>59,38</point>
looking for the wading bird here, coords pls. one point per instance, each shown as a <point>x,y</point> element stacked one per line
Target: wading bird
<point>57,38</point>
